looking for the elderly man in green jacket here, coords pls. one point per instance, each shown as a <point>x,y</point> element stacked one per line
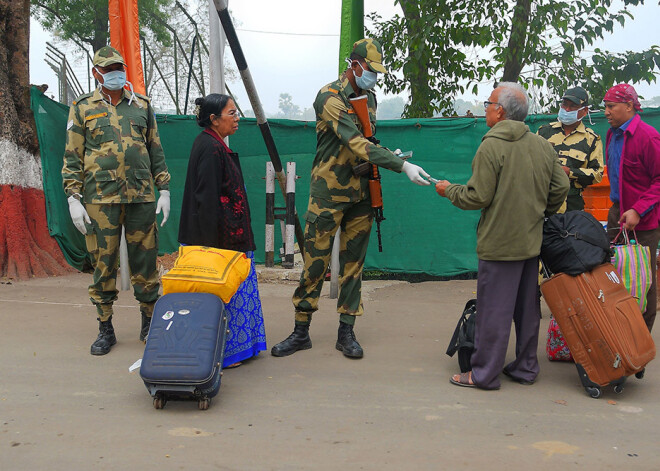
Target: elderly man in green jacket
<point>516,181</point>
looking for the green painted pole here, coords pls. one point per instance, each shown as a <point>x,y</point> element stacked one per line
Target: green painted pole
<point>352,28</point>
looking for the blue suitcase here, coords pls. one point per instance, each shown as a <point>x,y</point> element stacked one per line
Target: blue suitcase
<point>185,348</point>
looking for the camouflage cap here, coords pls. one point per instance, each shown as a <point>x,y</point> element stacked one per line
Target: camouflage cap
<point>107,55</point>
<point>372,52</point>
<point>577,95</point>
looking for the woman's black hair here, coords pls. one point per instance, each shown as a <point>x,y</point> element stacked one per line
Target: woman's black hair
<point>208,105</point>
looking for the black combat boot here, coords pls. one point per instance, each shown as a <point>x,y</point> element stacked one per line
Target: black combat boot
<point>347,343</point>
<point>106,338</point>
<point>298,340</point>
<point>144,330</point>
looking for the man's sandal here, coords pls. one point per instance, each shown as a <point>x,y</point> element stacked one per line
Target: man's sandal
<point>463,379</point>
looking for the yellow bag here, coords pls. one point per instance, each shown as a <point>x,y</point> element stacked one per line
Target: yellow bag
<point>207,270</point>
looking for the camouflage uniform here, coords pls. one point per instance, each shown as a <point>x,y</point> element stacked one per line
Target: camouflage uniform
<point>112,159</point>
<point>338,198</point>
<point>582,152</point>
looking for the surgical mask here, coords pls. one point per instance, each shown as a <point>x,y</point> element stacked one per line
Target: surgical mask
<point>568,117</point>
<point>113,80</point>
<point>368,79</point>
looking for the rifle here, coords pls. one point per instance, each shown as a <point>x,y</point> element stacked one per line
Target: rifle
<point>360,106</point>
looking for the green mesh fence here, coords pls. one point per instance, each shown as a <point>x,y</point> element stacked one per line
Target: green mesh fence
<point>422,233</point>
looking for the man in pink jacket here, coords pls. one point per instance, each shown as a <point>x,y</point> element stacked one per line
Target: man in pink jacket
<point>633,166</point>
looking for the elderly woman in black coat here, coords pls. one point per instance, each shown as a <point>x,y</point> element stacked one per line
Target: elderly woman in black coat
<point>215,213</point>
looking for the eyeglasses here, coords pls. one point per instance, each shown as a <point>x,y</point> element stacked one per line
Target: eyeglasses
<point>231,114</point>
<point>488,103</point>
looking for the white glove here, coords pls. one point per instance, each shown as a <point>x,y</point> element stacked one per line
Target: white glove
<point>164,205</point>
<point>415,173</point>
<point>78,214</point>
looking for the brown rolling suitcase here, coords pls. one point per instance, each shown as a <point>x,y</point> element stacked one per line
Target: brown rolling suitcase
<point>602,325</point>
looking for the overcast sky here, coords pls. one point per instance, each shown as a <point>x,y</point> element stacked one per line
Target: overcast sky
<point>292,46</point>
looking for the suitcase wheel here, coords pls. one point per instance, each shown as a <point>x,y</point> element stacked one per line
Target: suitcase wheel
<point>640,374</point>
<point>159,402</point>
<point>594,392</point>
<point>618,388</point>
<point>203,404</point>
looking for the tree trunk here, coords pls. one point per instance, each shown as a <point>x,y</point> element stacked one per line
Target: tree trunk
<point>26,249</point>
<point>419,82</point>
<point>515,49</point>
<point>101,21</point>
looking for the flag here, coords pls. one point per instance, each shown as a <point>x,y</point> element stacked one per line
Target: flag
<point>125,37</point>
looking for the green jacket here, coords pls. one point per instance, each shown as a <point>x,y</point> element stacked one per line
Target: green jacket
<point>340,145</point>
<point>516,181</point>
<point>113,153</point>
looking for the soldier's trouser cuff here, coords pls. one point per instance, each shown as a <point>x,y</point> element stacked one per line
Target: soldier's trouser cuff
<point>303,318</point>
<point>347,319</point>
<point>104,311</point>
<point>147,308</point>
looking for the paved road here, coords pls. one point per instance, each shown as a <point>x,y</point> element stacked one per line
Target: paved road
<point>63,409</point>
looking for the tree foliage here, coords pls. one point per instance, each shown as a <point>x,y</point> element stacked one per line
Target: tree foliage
<point>288,109</point>
<point>166,26</point>
<point>87,21</point>
<point>448,47</point>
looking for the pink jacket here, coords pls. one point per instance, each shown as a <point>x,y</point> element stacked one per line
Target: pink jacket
<point>639,172</point>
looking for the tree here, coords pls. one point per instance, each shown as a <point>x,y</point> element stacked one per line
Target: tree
<point>87,21</point>
<point>288,109</point>
<point>26,249</point>
<point>166,26</point>
<point>447,47</point>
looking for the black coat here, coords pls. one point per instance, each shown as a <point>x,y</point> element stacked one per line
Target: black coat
<point>215,210</point>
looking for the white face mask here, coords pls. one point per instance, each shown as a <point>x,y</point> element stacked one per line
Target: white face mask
<point>113,80</point>
<point>367,80</point>
<point>568,117</point>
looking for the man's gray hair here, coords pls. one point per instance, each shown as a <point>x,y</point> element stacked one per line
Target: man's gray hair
<point>513,99</point>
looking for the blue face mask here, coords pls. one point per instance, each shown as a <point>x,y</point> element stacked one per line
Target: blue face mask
<point>113,80</point>
<point>368,79</point>
<point>568,117</point>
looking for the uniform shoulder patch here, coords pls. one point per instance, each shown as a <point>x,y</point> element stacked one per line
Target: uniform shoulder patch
<point>592,132</point>
<point>544,129</point>
<point>144,97</point>
<point>332,90</point>
<point>82,97</point>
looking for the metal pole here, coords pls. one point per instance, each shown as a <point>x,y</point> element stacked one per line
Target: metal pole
<point>176,77</point>
<point>290,214</point>
<point>192,56</point>
<point>167,87</point>
<point>246,76</point>
<point>270,215</point>
<point>216,53</point>
<point>144,65</point>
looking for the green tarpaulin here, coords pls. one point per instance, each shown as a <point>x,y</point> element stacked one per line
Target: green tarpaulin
<point>422,233</point>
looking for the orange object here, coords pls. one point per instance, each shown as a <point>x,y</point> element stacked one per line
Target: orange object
<point>375,189</point>
<point>125,37</point>
<point>597,198</point>
<point>359,104</point>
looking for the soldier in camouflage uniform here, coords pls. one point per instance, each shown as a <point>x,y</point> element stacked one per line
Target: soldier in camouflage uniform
<point>112,159</point>
<point>579,147</point>
<point>339,198</point>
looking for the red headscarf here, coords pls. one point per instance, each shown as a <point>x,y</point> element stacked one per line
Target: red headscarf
<point>623,93</point>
